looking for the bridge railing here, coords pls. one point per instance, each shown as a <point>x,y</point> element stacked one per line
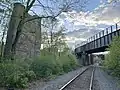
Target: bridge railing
<point>102,33</point>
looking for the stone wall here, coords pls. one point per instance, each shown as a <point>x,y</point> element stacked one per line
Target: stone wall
<point>29,42</point>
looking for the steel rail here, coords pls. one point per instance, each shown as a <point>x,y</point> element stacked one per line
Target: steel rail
<point>70,81</point>
<point>91,80</point>
<point>64,86</point>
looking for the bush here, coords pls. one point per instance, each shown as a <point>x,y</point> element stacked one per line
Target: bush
<point>18,73</point>
<point>68,62</point>
<point>15,75</point>
<point>46,66</point>
<point>112,60</point>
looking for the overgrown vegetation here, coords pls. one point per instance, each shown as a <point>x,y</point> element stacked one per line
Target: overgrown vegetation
<point>18,73</point>
<point>15,74</point>
<point>112,60</point>
<point>54,59</point>
<point>48,65</point>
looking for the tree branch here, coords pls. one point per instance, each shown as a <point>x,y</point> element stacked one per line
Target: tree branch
<point>29,6</point>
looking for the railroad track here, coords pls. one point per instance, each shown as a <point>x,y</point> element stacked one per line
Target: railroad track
<point>82,81</point>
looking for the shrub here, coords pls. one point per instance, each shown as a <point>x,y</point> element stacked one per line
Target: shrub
<point>19,72</point>
<point>68,62</point>
<point>57,69</point>
<point>44,66</point>
<point>15,75</point>
<point>47,65</point>
<point>112,60</point>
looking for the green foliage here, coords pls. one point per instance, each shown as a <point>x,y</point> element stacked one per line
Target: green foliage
<point>13,74</point>
<point>68,62</point>
<point>49,65</point>
<point>112,60</point>
<point>55,57</point>
<point>45,66</point>
<point>19,72</point>
<point>41,67</point>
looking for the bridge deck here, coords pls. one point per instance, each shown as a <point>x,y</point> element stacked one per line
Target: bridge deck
<point>99,44</point>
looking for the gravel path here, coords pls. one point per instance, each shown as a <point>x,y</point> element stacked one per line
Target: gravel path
<point>105,81</point>
<point>82,82</point>
<point>95,83</point>
<point>58,82</point>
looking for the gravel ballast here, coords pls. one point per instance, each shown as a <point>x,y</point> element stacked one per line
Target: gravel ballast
<point>82,82</point>
<point>105,81</point>
<point>58,82</point>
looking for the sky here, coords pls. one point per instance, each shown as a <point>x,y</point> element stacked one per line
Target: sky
<point>98,15</point>
<point>95,17</point>
<point>92,4</point>
<point>80,25</point>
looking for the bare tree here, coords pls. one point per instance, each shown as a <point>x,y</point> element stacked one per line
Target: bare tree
<point>12,36</point>
<point>5,12</point>
<point>48,9</point>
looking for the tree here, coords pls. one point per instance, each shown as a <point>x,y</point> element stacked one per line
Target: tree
<point>54,40</point>
<point>5,12</point>
<point>13,36</point>
<point>112,59</point>
<point>51,9</point>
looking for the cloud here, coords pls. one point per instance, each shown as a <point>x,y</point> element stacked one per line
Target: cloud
<point>107,13</point>
<point>82,25</point>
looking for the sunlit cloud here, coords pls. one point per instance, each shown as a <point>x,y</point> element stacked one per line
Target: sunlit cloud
<point>85,24</point>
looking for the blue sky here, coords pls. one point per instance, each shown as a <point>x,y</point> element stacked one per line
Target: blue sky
<point>92,4</point>
<point>80,25</point>
<point>98,16</point>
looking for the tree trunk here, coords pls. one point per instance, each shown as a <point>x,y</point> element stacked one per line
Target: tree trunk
<point>13,24</point>
<point>19,30</point>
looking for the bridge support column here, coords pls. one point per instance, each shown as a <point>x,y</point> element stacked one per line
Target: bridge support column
<point>85,59</point>
<point>91,58</point>
<point>79,60</point>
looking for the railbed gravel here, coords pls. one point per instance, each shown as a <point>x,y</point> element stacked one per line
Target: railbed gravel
<point>105,81</point>
<point>95,83</point>
<point>57,83</point>
<point>82,82</point>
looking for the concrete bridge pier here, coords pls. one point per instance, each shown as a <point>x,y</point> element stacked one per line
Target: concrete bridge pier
<point>84,58</point>
<point>90,58</point>
<point>79,61</point>
<point>87,59</point>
